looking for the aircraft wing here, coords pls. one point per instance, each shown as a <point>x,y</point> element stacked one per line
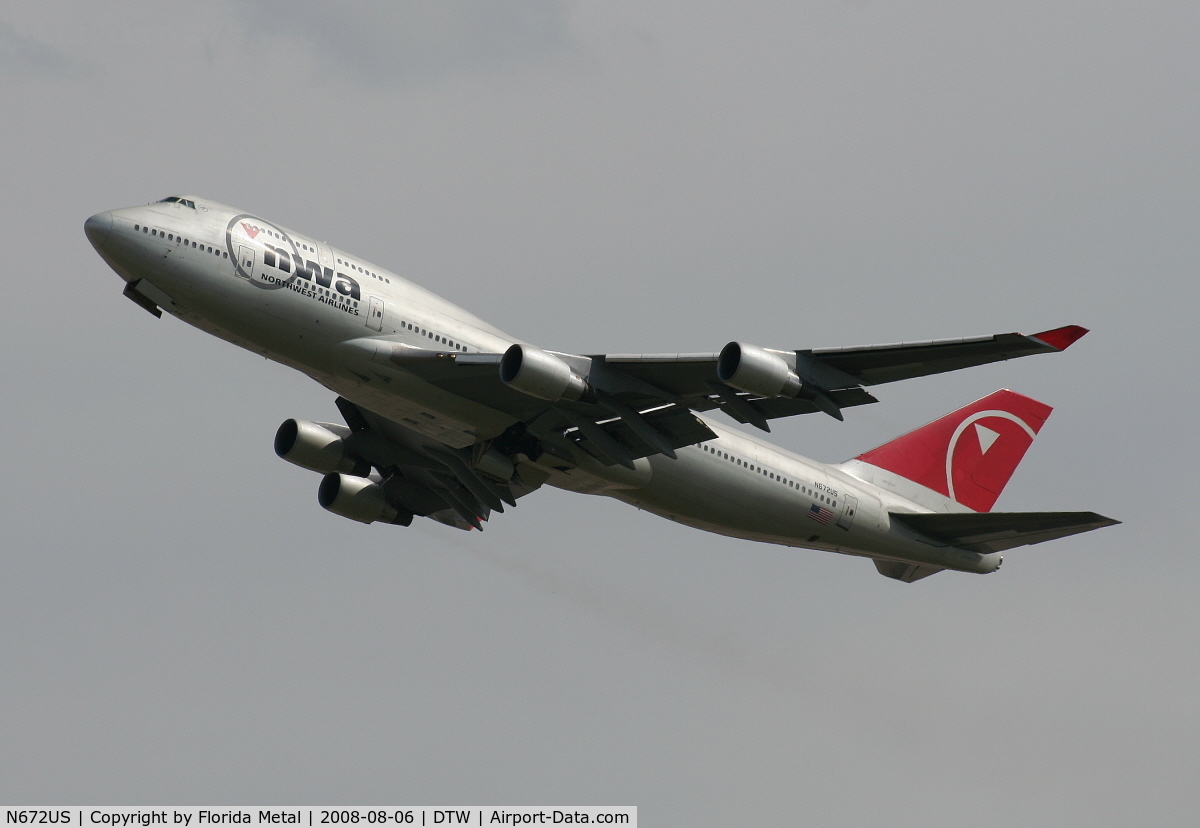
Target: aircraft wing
<point>831,378</point>
<point>642,404</point>
<point>837,368</point>
<point>877,364</point>
<point>616,425</point>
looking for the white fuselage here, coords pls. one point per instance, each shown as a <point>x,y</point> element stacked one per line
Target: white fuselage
<point>191,264</point>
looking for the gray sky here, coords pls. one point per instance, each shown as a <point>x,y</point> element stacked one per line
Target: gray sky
<point>181,623</point>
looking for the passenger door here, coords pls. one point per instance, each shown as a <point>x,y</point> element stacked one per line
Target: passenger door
<point>849,508</point>
<point>246,261</point>
<point>375,314</point>
<point>325,255</point>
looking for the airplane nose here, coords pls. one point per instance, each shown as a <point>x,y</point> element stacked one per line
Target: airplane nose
<point>98,227</point>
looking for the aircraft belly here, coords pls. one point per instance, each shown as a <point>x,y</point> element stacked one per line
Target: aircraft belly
<point>591,477</point>
<point>705,493</point>
<point>708,492</point>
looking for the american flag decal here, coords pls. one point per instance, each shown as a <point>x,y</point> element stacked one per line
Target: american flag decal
<point>820,514</point>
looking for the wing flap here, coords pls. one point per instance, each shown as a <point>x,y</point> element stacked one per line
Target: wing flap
<point>996,531</point>
<point>775,407</point>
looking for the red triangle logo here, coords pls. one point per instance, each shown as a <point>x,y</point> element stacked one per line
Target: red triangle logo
<point>250,231</point>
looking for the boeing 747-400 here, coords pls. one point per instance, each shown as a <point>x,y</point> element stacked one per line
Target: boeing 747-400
<point>447,417</point>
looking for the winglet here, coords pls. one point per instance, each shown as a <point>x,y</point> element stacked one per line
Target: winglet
<point>1061,338</point>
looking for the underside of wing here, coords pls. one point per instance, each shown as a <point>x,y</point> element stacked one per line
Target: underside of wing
<point>418,476</point>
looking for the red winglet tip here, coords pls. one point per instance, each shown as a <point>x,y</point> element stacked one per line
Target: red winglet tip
<point>1061,338</point>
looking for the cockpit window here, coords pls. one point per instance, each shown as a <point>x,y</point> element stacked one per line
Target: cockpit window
<point>177,200</point>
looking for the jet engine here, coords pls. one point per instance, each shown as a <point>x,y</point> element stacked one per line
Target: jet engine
<point>532,371</point>
<point>359,499</point>
<point>757,371</point>
<point>318,447</point>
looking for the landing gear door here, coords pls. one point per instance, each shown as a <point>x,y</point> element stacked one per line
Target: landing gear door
<point>375,314</point>
<point>849,508</point>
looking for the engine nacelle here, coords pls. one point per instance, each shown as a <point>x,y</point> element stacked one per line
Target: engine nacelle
<point>316,447</point>
<point>757,371</point>
<point>534,372</point>
<point>359,499</point>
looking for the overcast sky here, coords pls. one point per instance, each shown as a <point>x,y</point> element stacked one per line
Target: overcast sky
<point>180,623</point>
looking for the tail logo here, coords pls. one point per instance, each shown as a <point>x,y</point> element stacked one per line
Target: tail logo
<point>970,454</point>
<point>969,471</point>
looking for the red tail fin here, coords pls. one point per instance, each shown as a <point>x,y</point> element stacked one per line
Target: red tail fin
<point>968,455</point>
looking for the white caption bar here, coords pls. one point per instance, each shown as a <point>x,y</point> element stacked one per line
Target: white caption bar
<point>320,817</point>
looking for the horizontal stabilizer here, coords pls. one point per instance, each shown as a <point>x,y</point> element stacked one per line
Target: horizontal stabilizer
<point>997,531</point>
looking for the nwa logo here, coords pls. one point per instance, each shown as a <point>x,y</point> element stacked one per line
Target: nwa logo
<point>268,258</point>
<point>982,454</point>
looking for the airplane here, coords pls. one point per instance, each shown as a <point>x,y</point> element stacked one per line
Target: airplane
<point>449,418</point>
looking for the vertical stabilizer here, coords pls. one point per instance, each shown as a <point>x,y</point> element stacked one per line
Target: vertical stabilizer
<point>968,456</point>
